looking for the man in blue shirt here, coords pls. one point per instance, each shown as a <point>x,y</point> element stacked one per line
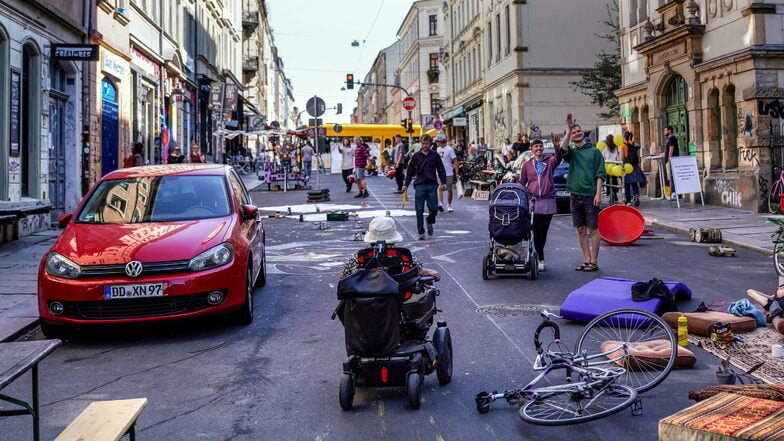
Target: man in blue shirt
<point>428,169</point>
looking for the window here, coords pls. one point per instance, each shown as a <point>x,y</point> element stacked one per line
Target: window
<point>508,28</point>
<point>435,104</point>
<point>497,37</point>
<point>433,25</point>
<point>489,43</point>
<point>434,61</point>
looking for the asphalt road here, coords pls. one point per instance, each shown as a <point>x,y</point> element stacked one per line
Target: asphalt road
<point>277,379</point>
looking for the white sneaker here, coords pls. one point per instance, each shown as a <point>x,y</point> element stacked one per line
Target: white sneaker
<point>449,209</point>
<point>541,265</point>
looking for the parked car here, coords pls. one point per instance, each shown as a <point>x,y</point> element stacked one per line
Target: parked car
<point>561,193</point>
<point>155,243</point>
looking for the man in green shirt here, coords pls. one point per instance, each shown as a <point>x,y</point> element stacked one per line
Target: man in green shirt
<point>584,182</point>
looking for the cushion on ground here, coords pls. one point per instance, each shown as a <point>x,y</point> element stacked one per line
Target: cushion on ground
<point>773,392</point>
<point>649,354</point>
<point>608,293</point>
<point>726,417</point>
<point>699,323</point>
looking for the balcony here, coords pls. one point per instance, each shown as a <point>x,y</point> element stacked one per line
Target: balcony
<point>250,63</point>
<point>250,20</point>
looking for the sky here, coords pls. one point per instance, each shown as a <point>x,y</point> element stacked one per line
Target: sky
<point>314,38</point>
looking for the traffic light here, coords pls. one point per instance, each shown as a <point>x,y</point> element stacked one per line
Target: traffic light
<point>410,125</point>
<point>349,81</point>
<point>339,109</point>
<point>404,123</point>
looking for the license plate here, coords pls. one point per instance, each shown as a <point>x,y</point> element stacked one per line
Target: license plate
<point>133,291</point>
<point>562,193</point>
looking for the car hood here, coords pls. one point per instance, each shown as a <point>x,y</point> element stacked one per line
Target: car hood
<point>106,244</point>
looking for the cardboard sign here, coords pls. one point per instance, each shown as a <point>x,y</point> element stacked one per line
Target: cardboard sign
<point>685,175</point>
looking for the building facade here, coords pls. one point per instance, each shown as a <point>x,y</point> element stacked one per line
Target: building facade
<point>41,96</point>
<point>714,71</point>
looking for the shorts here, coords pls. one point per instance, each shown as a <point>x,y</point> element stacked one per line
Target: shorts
<point>450,182</point>
<point>359,174</point>
<point>584,212</point>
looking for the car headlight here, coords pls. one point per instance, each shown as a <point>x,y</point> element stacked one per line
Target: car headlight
<point>214,257</point>
<point>60,266</point>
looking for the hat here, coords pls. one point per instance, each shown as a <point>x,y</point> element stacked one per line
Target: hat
<point>382,228</point>
<point>440,137</point>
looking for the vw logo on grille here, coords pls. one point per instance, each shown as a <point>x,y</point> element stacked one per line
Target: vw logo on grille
<point>133,268</point>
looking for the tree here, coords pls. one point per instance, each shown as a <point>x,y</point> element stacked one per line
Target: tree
<point>601,82</point>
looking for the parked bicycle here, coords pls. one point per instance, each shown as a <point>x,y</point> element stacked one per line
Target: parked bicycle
<point>773,201</point>
<point>609,363</point>
<point>778,245</point>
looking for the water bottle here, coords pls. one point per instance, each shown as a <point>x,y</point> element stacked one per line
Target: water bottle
<point>683,330</point>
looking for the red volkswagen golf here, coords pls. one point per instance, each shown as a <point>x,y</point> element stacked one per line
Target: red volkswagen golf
<point>155,243</point>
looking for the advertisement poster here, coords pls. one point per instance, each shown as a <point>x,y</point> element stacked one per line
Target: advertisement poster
<point>16,88</point>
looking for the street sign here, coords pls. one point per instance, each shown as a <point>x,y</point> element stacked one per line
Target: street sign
<point>409,103</point>
<point>216,96</point>
<point>315,122</point>
<point>315,106</point>
<point>337,128</point>
<point>438,125</point>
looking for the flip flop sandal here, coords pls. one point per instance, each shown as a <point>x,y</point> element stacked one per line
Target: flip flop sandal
<point>582,266</point>
<point>590,267</point>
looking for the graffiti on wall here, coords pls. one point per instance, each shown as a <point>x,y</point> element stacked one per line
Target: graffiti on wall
<point>773,109</point>
<point>730,197</point>
<point>33,223</point>
<point>14,166</point>
<point>763,187</point>
<point>745,122</point>
<point>499,128</point>
<point>748,157</point>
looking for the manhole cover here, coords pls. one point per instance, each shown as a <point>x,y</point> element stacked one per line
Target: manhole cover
<point>507,310</point>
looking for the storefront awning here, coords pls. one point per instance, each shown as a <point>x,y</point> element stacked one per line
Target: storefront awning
<point>457,111</point>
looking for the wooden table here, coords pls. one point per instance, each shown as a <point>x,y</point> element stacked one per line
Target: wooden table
<point>16,359</point>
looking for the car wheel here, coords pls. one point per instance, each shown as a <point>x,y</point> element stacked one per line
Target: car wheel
<point>261,279</point>
<point>245,315</point>
<point>51,331</point>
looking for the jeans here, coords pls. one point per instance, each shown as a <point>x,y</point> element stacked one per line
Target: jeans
<point>307,166</point>
<point>425,193</point>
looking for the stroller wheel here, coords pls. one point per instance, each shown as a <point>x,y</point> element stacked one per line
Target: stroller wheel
<point>486,267</point>
<point>414,388</point>
<point>346,391</point>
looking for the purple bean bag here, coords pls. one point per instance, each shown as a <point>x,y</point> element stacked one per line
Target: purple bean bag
<point>608,293</point>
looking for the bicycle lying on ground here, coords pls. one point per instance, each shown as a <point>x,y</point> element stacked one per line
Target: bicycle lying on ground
<point>611,364</point>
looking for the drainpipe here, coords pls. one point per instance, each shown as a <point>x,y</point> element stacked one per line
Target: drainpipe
<point>87,19</point>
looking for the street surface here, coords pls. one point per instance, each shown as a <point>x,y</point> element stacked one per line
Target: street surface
<point>277,379</point>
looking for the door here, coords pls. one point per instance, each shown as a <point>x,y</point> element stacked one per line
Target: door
<point>57,118</point>
<point>110,126</point>
<point>675,97</point>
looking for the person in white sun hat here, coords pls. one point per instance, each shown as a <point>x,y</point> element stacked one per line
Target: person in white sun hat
<point>383,228</point>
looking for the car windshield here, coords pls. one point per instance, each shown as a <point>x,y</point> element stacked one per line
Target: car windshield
<point>156,199</point>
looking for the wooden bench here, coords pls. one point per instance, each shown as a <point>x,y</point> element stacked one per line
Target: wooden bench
<point>105,421</point>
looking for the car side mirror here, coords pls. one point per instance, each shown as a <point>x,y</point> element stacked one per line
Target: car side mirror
<point>64,219</point>
<point>249,212</point>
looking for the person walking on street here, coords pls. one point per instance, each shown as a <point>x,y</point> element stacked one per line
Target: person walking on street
<point>428,168</point>
<point>537,176</point>
<point>634,180</point>
<point>449,159</point>
<point>584,182</point>
<point>670,150</point>
<point>347,162</point>
<point>307,159</point>
<point>612,153</point>
<point>361,157</point>
<point>399,155</point>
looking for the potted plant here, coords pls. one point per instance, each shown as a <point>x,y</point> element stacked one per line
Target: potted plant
<point>432,74</point>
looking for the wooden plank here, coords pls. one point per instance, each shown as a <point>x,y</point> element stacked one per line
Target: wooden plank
<point>104,420</point>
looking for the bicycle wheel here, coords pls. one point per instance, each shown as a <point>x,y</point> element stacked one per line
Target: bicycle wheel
<point>627,332</point>
<point>573,406</point>
<point>774,201</point>
<point>778,259</point>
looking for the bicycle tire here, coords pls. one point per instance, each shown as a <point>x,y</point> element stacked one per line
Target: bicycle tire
<point>573,406</point>
<point>773,200</point>
<point>778,260</point>
<point>630,327</point>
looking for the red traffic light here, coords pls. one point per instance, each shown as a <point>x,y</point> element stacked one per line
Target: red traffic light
<point>349,81</point>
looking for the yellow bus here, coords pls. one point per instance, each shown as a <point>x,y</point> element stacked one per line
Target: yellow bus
<point>379,134</point>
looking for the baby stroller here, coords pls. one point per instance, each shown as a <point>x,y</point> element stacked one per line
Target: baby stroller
<point>511,240</point>
<point>387,309</point>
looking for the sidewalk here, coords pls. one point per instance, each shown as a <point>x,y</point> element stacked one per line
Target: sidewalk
<point>19,259</point>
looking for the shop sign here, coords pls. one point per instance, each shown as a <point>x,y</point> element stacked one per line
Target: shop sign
<point>114,66</point>
<point>461,121</point>
<point>84,52</point>
<point>457,111</point>
<point>16,93</point>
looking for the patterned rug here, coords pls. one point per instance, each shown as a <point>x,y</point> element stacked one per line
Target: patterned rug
<point>745,355</point>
